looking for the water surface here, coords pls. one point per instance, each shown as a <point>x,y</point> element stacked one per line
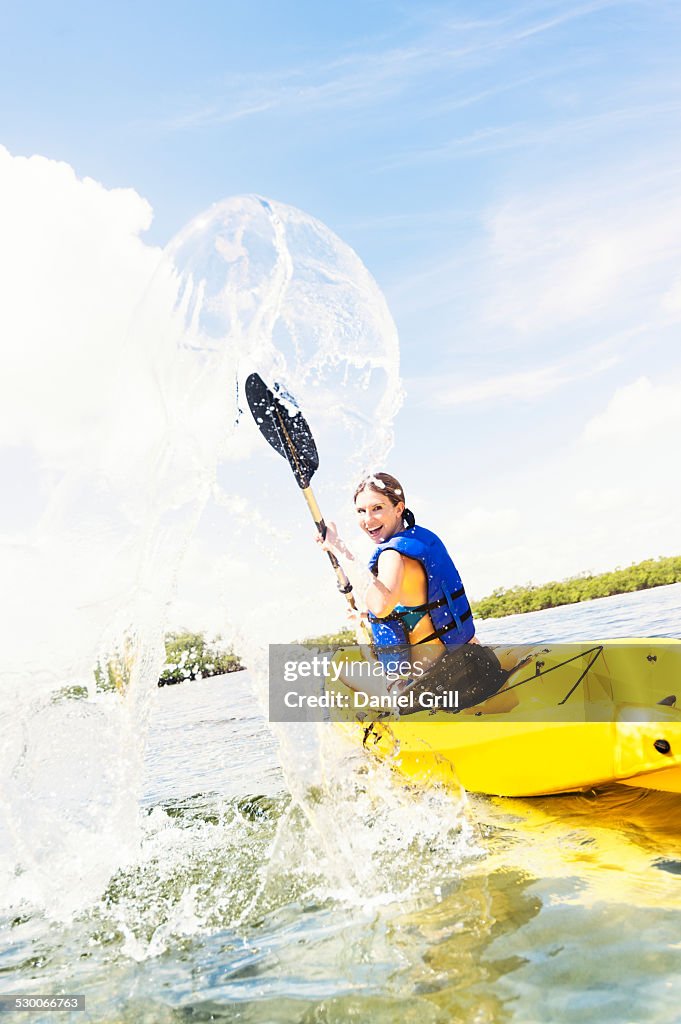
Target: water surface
<point>285,878</point>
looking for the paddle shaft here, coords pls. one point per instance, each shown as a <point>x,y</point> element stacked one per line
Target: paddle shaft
<point>344,584</point>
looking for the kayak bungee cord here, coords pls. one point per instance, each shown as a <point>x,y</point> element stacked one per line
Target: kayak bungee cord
<point>540,672</point>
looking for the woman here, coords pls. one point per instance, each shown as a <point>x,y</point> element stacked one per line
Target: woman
<point>415,597</point>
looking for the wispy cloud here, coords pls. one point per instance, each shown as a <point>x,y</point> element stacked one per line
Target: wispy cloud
<point>362,79</point>
<point>447,391</point>
<point>370,74</point>
<point>562,17</point>
<point>405,221</point>
<point>523,135</point>
<point>213,115</point>
<point>556,260</point>
<point>597,256</point>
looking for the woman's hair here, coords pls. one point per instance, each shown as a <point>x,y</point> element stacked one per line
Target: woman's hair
<point>389,485</point>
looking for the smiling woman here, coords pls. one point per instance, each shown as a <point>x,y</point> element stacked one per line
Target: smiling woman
<point>416,597</point>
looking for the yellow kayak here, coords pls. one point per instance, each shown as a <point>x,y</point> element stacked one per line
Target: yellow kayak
<point>569,717</point>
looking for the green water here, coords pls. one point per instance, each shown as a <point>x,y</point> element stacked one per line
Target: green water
<point>340,894</point>
<point>515,911</point>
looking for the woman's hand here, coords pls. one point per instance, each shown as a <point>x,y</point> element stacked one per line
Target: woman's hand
<point>358,617</point>
<point>330,541</point>
<point>358,620</point>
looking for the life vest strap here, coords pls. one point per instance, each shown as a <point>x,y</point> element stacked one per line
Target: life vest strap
<point>454,624</point>
<point>427,607</point>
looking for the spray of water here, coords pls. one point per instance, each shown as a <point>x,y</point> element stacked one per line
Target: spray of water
<point>171,461</point>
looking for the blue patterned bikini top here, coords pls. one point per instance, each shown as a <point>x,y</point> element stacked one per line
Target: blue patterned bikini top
<point>410,617</point>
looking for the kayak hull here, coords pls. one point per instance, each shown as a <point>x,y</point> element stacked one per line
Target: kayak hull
<point>550,731</point>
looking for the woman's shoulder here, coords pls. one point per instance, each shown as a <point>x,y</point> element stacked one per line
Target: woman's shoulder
<point>411,541</point>
<point>422,535</point>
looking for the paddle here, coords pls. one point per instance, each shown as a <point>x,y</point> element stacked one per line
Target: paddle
<point>284,427</point>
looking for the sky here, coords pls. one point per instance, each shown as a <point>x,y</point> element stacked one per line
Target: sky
<point>510,173</point>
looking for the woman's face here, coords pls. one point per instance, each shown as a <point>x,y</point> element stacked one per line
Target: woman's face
<point>377,515</point>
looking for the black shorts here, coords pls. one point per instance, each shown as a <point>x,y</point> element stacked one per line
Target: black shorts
<point>471,671</point>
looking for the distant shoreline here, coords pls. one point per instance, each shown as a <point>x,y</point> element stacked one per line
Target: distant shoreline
<point>653,572</point>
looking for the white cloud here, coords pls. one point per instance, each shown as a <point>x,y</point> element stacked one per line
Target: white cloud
<point>641,414</point>
<point>609,497</point>
<point>671,300</point>
<point>72,267</point>
<point>558,261</point>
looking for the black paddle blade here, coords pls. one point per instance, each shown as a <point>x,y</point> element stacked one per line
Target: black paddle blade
<point>287,432</point>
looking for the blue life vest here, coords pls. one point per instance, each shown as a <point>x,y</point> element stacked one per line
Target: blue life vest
<point>447,603</point>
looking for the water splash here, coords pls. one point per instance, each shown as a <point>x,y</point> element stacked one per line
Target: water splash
<point>250,284</point>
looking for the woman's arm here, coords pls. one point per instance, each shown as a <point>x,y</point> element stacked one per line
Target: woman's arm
<point>383,592</point>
